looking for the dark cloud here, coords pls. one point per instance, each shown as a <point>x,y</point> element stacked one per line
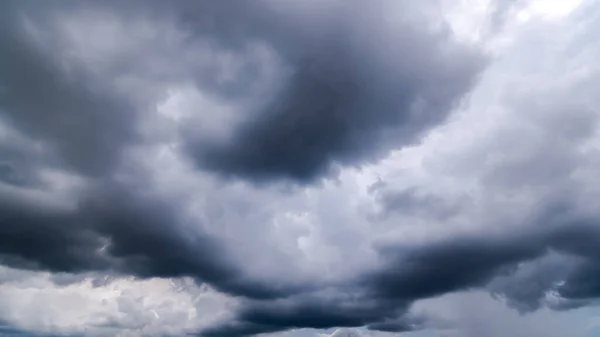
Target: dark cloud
<point>525,288</point>
<point>376,316</point>
<point>351,89</point>
<point>319,310</point>
<point>113,230</point>
<point>567,254</point>
<point>64,107</point>
<point>352,86</point>
<point>581,240</point>
<point>519,266</point>
<point>237,329</point>
<point>380,300</point>
<point>402,324</point>
<point>358,87</point>
<point>346,311</point>
<point>450,266</point>
<point>60,115</point>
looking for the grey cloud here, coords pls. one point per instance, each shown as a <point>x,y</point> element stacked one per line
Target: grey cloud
<point>552,156</point>
<point>450,265</point>
<point>79,118</point>
<point>238,329</point>
<point>582,241</point>
<point>345,332</point>
<point>37,236</point>
<point>316,310</point>
<point>499,13</point>
<point>8,275</point>
<point>402,324</point>
<point>351,93</point>
<point>476,314</point>
<point>350,310</point>
<point>359,87</point>
<point>583,283</point>
<point>20,159</point>
<point>113,230</point>
<point>526,287</point>
<point>538,156</point>
<point>60,115</point>
<point>379,300</point>
<point>9,331</point>
<point>412,202</point>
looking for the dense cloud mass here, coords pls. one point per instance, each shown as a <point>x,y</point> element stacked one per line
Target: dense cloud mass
<point>289,168</point>
<point>359,84</point>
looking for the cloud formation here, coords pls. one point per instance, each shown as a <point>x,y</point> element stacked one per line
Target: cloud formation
<point>357,84</point>
<point>308,165</point>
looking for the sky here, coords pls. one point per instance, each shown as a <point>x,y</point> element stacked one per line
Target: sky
<point>332,168</point>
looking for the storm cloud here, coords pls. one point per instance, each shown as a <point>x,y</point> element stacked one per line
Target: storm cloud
<point>240,168</point>
<point>357,84</point>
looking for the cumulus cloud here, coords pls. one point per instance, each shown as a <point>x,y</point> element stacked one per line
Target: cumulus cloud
<point>121,307</point>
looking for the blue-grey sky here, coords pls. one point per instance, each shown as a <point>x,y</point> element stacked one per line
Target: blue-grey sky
<point>427,168</point>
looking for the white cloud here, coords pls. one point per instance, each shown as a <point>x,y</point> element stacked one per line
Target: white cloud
<point>120,307</point>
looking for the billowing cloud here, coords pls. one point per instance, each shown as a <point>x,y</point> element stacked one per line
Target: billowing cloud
<point>242,168</point>
<point>63,207</point>
<point>359,81</point>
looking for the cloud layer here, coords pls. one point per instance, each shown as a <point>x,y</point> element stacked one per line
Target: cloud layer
<point>284,166</point>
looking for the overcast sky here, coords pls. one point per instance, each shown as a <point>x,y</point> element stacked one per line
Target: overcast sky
<point>314,168</point>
